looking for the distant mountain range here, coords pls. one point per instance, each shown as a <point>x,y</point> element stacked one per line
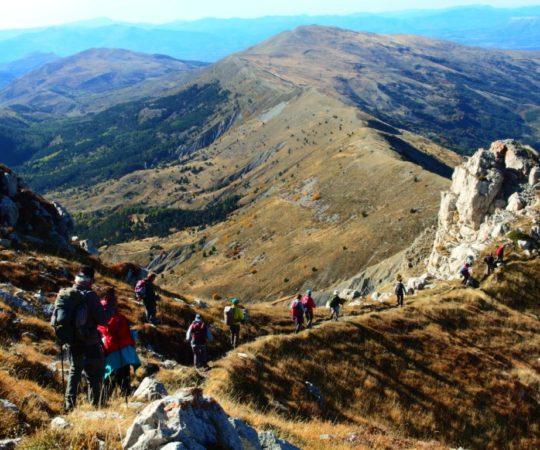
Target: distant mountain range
<point>212,39</point>
<point>93,80</point>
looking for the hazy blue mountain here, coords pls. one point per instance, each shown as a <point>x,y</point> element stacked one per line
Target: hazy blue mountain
<point>11,71</point>
<point>212,39</point>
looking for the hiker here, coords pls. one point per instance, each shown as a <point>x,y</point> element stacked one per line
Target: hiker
<point>234,317</point>
<point>335,305</point>
<point>145,291</point>
<point>499,253</point>
<point>399,290</point>
<point>309,306</point>
<point>297,312</point>
<point>464,272</point>
<point>75,318</point>
<point>119,347</point>
<point>198,335</point>
<point>489,260</point>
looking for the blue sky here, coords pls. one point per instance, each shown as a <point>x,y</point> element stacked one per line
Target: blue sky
<point>33,13</point>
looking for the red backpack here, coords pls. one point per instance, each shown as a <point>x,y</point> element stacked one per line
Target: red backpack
<point>198,333</point>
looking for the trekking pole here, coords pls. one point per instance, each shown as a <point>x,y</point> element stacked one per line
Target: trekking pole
<point>62,366</point>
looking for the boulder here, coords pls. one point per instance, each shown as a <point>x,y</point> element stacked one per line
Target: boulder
<point>416,283</point>
<point>88,246</point>
<point>269,441</point>
<point>525,244</point>
<point>7,405</point>
<point>534,176</point>
<point>9,444</point>
<point>514,203</point>
<point>189,420</point>
<point>66,224</point>
<point>150,389</point>
<point>9,213</point>
<point>59,423</point>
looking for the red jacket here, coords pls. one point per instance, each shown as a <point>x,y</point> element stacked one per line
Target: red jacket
<point>116,334</point>
<point>308,302</point>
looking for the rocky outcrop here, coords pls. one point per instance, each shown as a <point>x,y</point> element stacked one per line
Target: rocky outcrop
<point>188,420</point>
<point>25,215</point>
<point>150,389</point>
<point>488,192</point>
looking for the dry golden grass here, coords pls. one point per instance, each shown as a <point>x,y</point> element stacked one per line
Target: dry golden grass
<point>458,367</point>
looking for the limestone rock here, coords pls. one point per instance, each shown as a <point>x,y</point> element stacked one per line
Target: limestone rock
<point>534,175</point>
<point>59,423</point>
<point>487,194</point>
<point>189,420</point>
<point>248,436</point>
<point>88,246</point>
<point>150,389</point>
<point>7,405</point>
<point>269,441</point>
<point>514,203</point>
<point>9,444</point>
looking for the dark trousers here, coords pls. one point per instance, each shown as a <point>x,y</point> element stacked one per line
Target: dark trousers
<point>235,335</point>
<point>200,355</point>
<point>309,317</point>
<point>120,379</point>
<point>90,359</point>
<point>399,299</point>
<point>299,321</point>
<point>150,307</point>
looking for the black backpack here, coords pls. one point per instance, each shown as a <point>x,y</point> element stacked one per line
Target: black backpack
<point>70,316</point>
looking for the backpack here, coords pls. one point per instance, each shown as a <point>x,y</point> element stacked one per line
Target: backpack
<point>198,333</point>
<point>140,289</point>
<point>228,315</point>
<point>335,301</point>
<point>70,316</point>
<point>297,308</point>
<point>464,271</point>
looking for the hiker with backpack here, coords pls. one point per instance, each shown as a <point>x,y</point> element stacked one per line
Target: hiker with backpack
<point>76,316</point>
<point>335,305</point>
<point>297,312</point>
<point>465,273</point>
<point>489,261</point>
<point>145,291</point>
<point>399,290</point>
<point>309,306</point>
<point>119,347</point>
<point>233,316</point>
<point>499,253</point>
<point>198,335</point>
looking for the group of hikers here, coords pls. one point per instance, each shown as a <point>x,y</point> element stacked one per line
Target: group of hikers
<point>491,262</point>
<point>302,309</point>
<point>101,343</point>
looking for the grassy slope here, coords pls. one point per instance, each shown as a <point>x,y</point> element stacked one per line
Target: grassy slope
<point>457,366</point>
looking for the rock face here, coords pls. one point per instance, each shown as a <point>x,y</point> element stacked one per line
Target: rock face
<point>26,215</point>
<point>150,389</point>
<point>188,420</point>
<point>487,193</point>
